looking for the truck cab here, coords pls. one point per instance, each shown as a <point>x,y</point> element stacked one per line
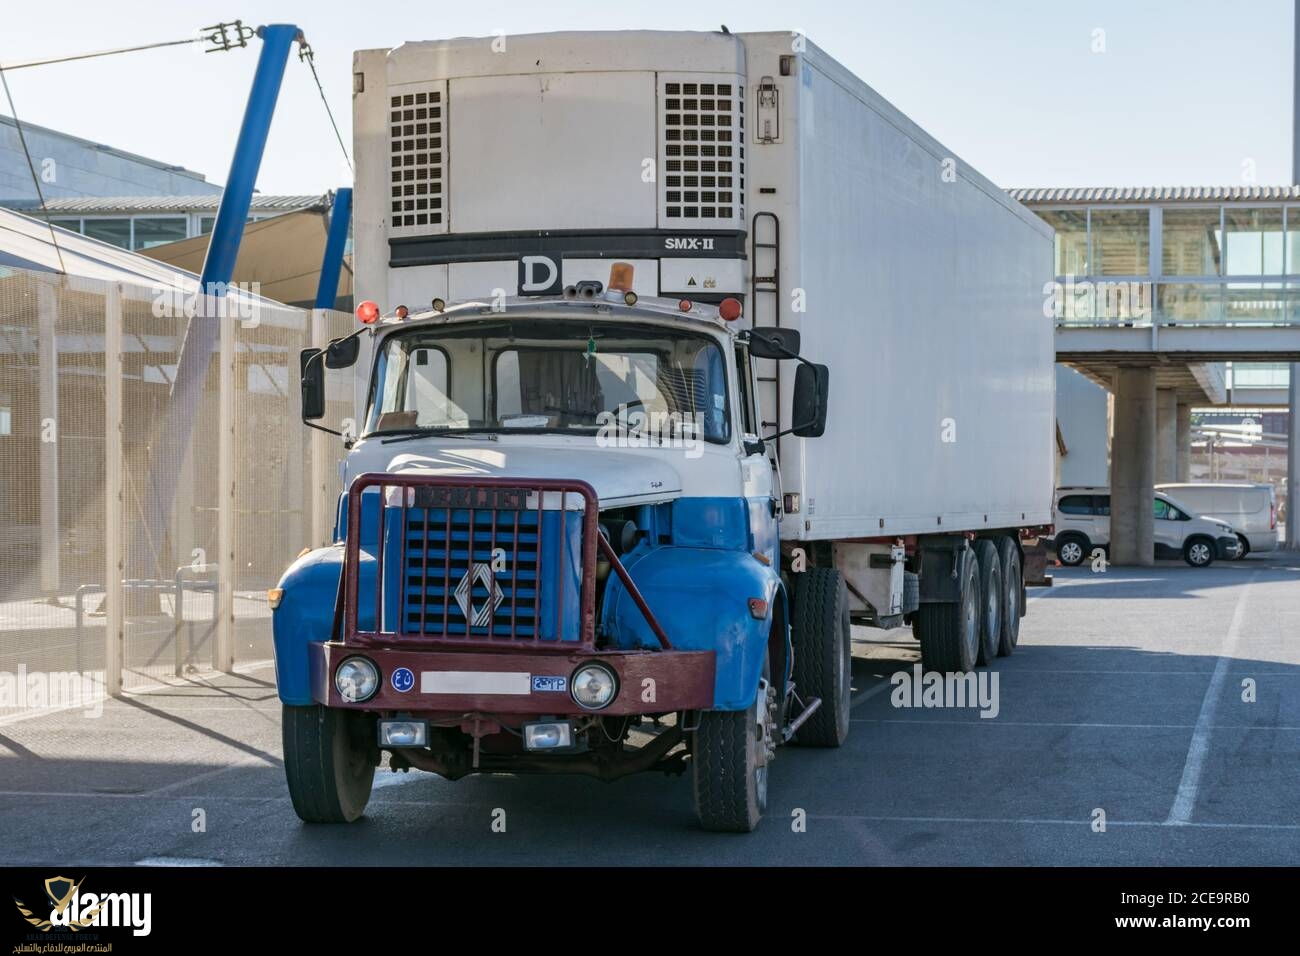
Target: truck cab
<point>557,550</point>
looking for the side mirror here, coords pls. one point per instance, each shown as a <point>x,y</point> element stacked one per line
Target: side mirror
<point>312,371</point>
<point>770,342</point>
<point>342,353</point>
<point>811,391</point>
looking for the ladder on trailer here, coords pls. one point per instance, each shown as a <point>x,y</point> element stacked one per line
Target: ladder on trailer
<point>765,280</point>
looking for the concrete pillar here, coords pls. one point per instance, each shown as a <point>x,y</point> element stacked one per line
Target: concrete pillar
<point>1166,435</point>
<point>1292,540</point>
<point>1133,468</point>
<point>1184,468</point>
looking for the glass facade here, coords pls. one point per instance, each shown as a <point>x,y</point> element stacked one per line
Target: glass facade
<point>1221,263</point>
<point>143,231</point>
<point>1120,240</point>
<point>1229,263</point>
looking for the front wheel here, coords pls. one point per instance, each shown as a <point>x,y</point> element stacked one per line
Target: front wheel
<point>729,758</point>
<point>329,762</point>
<point>1245,546</point>
<point>1199,552</point>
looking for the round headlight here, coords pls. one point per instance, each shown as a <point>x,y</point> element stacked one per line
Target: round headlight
<point>357,679</point>
<point>594,686</point>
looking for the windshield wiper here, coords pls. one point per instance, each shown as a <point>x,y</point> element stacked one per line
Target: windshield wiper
<point>406,434</point>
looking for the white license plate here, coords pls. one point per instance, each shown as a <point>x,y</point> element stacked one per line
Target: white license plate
<point>475,682</point>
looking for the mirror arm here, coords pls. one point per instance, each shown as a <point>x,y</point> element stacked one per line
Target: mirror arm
<point>798,358</point>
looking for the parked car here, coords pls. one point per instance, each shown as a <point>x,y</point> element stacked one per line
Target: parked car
<point>1083,524</point>
<point>1250,508</point>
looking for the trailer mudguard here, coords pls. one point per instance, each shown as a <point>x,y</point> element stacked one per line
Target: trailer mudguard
<point>700,597</point>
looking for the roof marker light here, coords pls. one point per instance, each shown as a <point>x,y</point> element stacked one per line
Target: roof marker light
<point>402,312</point>
<point>620,277</point>
<point>439,305</point>
<point>368,313</point>
<point>685,305</point>
<point>729,309</point>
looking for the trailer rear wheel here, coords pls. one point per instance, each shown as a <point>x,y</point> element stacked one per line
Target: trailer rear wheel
<point>729,757</point>
<point>949,632</point>
<point>991,599</point>
<point>823,655</point>
<point>329,761</point>
<point>1009,559</point>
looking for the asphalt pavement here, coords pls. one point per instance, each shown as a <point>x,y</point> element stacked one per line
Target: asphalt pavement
<point>1148,717</point>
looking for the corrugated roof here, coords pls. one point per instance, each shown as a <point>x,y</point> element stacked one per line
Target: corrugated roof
<point>1138,194</point>
<point>143,204</point>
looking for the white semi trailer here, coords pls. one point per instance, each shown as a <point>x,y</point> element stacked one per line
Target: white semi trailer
<point>815,336</point>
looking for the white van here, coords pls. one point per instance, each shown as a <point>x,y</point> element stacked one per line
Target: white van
<point>1250,508</point>
<point>1083,523</point>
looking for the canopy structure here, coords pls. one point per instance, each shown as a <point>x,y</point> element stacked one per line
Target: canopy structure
<point>282,255</point>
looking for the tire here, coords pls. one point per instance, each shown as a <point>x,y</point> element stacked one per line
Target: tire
<point>1199,552</point>
<point>1009,560</point>
<point>991,599</point>
<point>729,759</point>
<point>1072,549</point>
<point>329,762</point>
<point>1245,546</point>
<point>823,655</point>
<point>950,633</point>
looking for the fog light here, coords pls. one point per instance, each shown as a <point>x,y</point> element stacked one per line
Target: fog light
<point>555,735</point>
<point>593,686</point>
<point>403,733</point>
<point>357,679</point>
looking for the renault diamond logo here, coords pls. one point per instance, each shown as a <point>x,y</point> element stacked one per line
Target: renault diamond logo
<point>478,574</point>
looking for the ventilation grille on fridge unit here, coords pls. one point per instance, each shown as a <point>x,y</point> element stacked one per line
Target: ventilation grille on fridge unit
<point>704,151</point>
<point>416,149</point>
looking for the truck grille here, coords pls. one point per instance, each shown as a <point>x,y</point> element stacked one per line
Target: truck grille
<point>472,574</point>
<point>493,563</point>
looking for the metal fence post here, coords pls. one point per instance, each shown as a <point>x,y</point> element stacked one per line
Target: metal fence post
<point>114,555</point>
<point>47,298</point>
<point>224,653</point>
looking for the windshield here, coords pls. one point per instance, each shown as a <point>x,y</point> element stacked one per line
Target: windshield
<point>551,375</point>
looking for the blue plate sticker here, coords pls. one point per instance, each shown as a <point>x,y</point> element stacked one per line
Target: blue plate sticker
<point>557,684</point>
<point>403,680</point>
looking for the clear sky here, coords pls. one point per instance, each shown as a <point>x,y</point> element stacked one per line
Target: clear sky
<point>1185,92</point>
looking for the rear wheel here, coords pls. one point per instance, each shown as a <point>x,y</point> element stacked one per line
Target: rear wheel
<point>950,632</point>
<point>991,598</point>
<point>1199,552</point>
<point>1009,560</point>
<point>730,754</point>
<point>1245,546</point>
<point>1071,548</point>
<point>329,762</point>
<point>823,654</point>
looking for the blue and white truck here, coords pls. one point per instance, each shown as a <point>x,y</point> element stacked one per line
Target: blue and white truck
<point>683,353</point>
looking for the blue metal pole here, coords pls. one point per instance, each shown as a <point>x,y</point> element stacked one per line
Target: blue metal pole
<point>337,240</point>
<point>202,333</point>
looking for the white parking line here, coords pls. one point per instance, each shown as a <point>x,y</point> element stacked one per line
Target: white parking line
<point>1185,801</point>
<point>1049,821</point>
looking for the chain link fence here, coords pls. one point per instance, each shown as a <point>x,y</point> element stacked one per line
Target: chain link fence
<point>93,591</point>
